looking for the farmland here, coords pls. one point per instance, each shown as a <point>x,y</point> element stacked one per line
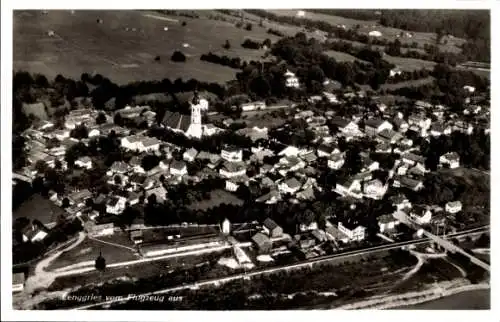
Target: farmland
<point>340,56</point>
<point>409,64</point>
<point>124,45</point>
<point>387,33</point>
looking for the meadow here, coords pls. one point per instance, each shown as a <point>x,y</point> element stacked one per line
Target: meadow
<point>123,45</point>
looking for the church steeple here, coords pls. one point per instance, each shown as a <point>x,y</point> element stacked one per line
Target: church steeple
<point>196,98</point>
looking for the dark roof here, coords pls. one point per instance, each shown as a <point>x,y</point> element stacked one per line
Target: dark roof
<point>270,224</point>
<point>176,120</point>
<point>340,122</point>
<point>375,122</point>
<point>387,218</point>
<point>260,239</point>
<point>176,164</point>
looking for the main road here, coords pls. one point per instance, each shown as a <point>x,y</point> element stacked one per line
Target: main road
<point>307,263</point>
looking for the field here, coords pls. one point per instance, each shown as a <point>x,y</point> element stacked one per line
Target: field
<point>217,197</point>
<point>409,64</point>
<point>37,207</point>
<point>341,57</point>
<point>89,250</point>
<point>81,44</point>
<point>416,83</point>
<point>387,33</point>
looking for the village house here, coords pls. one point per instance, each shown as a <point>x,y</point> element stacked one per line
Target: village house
<point>292,163</point>
<point>438,129</point>
<point>334,234</point>
<point>412,159</point>
<point>335,161</point>
<point>160,192</point>
<point>400,124</point>
<point>136,236</point>
<point>291,80</point>
<point>119,180</point>
<point>252,106</point>
<point>421,121</point>
<point>135,164</point>
<point>94,131</point>
<point>407,182</point>
<point>345,126</point>
<point>395,71</point>
<point>450,159</point>
<point>387,222</point>
<point>348,186</point>
<point>291,186</point>
<point>140,143</point>
<point>232,154</point>
<point>389,136</point>
<point>18,280</point>
<point>269,198</point>
<point>262,242</point>
<point>34,233</point>
<point>331,98</point>
<point>136,181</point>
<point>118,167</point>
<point>463,127</point>
<point>367,163</point>
<point>453,207</point>
<point>60,134</point>
<point>271,228</point>
<point>400,202</point>
<point>78,198</point>
<point>374,189</point>
<point>289,151</point>
<point>423,105</point>
<point>308,227</point>
<point>383,147</point>
<point>421,215</point>
<point>190,155</point>
<point>376,125</point>
<point>84,162</point>
<point>178,168</point>
<point>232,169</point>
<point>325,150</point>
<point>352,230</point>
<point>133,198</point>
<point>115,205</point>
<point>99,229</point>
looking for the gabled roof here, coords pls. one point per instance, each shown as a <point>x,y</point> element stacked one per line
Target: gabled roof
<point>340,122</point>
<point>387,218</point>
<point>175,120</point>
<point>414,157</point>
<point>178,165</point>
<point>375,122</point>
<point>260,239</point>
<point>293,183</point>
<point>270,224</point>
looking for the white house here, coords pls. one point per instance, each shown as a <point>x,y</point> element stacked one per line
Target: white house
<point>354,232</point>
<point>375,33</point>
<point>401,202</point>
<point>140,143</point>
<point>348,187</point>
<point>94,132</point>
<point>34,233</point>
<point>451,159</point>
<point>387,222</point>
<point>470,89</point>
<point>291,80</point>
<point>376,125</point>
<point>252,106</point>
<point>325,150</point>
<point>178,168</point>
<point>231,185</point>
<point>190,155</point>
<point>395,71</point>
<point>232,154</point>
<point>374,189</point>
<point>289,151</point>
<point>335,161</point>
<point>453,207</point>
<point>291,186</point>
<point>421,215</point>
<point>84,162</point>
<point>116,205</point>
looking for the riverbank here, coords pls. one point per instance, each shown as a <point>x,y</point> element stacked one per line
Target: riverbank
<point>439,291</point>
<point>467,300</point>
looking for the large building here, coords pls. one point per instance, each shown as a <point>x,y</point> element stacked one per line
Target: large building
<point>191,126</point>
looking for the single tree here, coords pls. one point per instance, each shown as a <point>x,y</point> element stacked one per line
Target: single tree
<point>101,118</point>
<point>227,45</point>
<point>100,263</point>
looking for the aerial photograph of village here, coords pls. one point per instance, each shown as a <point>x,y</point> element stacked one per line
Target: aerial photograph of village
<point>251,159</point>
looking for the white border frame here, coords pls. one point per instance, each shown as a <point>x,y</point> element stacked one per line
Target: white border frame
<point>7,7</point>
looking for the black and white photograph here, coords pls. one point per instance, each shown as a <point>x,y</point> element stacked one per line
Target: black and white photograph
<point>247,159</point>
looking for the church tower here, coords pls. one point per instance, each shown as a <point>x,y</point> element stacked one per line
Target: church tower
<point>195,128</point>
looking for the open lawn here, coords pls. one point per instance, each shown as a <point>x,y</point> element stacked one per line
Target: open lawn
<point>267,119</point>
<point>416,83</point>
<point>89,250</point>
<point>81,44</point>
<point>217,197</point>
<point>387,33</point>
<point>37,207</point>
